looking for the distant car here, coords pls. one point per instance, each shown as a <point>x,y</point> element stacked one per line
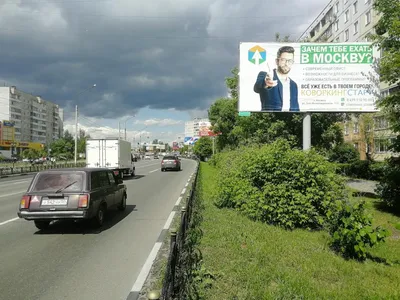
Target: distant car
<point>155,156</point>
<point>147,157</point>
<point>171,162</point>
<point>79,193</point>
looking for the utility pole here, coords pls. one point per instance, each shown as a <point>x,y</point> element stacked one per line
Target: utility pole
<point>213,144</point>
<point>119,130</point>
<point>76,133</point>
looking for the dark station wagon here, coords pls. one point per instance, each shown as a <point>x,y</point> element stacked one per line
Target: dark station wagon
<point>79,193</point>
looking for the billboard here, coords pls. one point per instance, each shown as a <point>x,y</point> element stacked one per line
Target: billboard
<point>175,146</point>
<point>193,140</point>
<point>186,140</point>
<point>308,77</point>
<point>204,128</point>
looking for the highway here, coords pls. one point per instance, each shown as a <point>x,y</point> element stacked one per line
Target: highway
<point>75,261</point>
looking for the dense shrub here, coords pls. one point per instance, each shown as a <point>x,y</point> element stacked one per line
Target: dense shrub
<point>343,153</point>
<point>279,185</point>
<point>291,188</point>
<point>362,169</point>
<point>389,186</point>
<point>352,232</point>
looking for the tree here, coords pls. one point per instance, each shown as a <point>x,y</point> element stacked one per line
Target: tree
<point>62,149</point>
<point>30,154</point>
<point>388,40</point>
<point>267,127</point>
<point>68,136</point>
<point>185,149</point>
<point>82,141</point>
<point>203,148</point>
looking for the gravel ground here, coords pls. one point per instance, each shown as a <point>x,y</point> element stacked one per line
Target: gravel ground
<point>366,186</point>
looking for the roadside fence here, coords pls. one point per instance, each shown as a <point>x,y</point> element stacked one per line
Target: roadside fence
<point>36,168</point>
<point>175,273</point>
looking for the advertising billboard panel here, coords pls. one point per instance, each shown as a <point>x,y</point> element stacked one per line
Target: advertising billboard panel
<point>204,128</point>
<point>308,77</point>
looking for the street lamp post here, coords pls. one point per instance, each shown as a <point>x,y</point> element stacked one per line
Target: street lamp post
<point>119,127</point>
<point>76,123</point>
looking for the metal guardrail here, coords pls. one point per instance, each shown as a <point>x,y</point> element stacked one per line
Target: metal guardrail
<point>170,285</point>
<point>36,168</point>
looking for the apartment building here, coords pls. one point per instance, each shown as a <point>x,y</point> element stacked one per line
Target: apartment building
<point>35,119</point>
<point>352,21</point>
<point>343,21</point>
<point>192,128</point>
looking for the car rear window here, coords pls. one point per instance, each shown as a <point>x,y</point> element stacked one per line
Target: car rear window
<point>169,157</point>
<point>54,181</point>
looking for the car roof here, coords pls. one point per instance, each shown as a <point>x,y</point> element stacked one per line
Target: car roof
<point>66,170</point>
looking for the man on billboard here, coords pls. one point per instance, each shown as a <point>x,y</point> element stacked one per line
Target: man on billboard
<point>278,92</point>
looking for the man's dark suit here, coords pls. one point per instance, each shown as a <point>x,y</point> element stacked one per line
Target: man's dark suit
<point>272,98</point>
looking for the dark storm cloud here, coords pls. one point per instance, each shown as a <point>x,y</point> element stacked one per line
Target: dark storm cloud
<point>139,54</point>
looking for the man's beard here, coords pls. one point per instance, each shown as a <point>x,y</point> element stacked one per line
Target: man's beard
<point>283,71</point>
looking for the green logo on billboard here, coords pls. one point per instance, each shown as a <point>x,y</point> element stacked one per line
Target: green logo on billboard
<point>257,55</point>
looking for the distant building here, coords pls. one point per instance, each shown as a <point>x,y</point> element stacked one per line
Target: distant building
<point>192,128</point>
<point>352,21</point>
<point>34,119</point>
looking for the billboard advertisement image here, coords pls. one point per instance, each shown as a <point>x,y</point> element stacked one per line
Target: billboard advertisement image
<point>308,77</point>
<point>204,128</point>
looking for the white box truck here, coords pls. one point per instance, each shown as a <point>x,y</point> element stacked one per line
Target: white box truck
<point>114,154</point>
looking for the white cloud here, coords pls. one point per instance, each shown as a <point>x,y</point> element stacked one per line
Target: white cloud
<point>159,122</point>
<point>96,130</point>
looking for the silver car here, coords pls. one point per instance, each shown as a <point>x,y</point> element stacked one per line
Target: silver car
<point>171,162</point>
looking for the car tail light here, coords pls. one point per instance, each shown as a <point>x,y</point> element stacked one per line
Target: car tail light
<point>116,173</point>
<point>25,201</point>
<point>175,161</point>
<point>162,162</point>
<point>83,201</point>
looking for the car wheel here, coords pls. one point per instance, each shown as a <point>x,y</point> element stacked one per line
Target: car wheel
<point>162,170</point>
<point>122,205</point>
<point>98,220</point>
<point>41,225</point>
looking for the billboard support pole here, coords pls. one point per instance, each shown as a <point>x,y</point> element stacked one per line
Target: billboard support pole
<point>213,145</point>
<point>307,131</point>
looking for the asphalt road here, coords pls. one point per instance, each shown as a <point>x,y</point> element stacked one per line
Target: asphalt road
<point>74,261</point>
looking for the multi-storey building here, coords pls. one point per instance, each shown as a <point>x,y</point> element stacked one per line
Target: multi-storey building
<point>35,120</point>
<point>352,21</point>
<point>343,21</point>
<point>192,128</point>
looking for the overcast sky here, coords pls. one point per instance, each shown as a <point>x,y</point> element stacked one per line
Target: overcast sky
<point>163,61</point>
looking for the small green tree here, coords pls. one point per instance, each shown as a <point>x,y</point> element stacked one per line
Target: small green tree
<point>344,153</point>
<point>388,40</point>
<point>203,148</point>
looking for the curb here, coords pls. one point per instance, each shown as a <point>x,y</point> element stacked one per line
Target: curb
<point>15,175</point>
<point>140,289</point>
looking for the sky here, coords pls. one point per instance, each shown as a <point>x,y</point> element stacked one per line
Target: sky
<point>156,64</point>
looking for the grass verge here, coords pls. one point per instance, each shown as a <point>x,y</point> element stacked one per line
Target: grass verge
<point>253,260</point>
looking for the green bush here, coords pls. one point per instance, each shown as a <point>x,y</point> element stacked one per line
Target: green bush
<point>352,233</point>
<point>389,186</point>
<point>343,153</point>
<point>292,188</point>
<point>278,185</point>
<point>362,169</point>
